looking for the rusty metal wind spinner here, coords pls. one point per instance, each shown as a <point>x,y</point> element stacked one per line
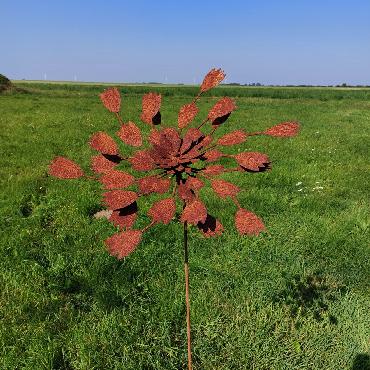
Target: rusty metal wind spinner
<point>178,163</point>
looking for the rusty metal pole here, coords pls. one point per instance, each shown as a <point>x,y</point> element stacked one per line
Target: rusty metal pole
<point>187,298</point>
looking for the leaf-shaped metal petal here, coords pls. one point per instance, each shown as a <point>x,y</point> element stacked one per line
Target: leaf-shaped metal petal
<point>185,193</point>
<point>122,244</point>
<point>196,150</point>
<point>191,138</point>
<point>285,129</point>
<point>194,183</point>
<point>212,155</point>
<point>130,134</point>
<point>153,184</point>
<point>64,168</point>
<point>213,170</point>
<point>248,223</point>
<point>173,137</point>
<point>211,227</point>
<point>221,109</point>
<point>103,143</point>
<point>163,211</point>
<point>194,212</point>
<point>186,114</point>
<point>142,161</point>
<point>117,199</point>
<point>252,161</point>
<point>111,99</point>
<point>212,79</point>
<point>232,138</point>
<point>101,164</point>
<point>155,137</point>
<point>124,217</point>
<point>224,188</point>
<point>117,179</point>
<point>151,105</point>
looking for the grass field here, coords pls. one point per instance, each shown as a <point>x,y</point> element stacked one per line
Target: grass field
<point>296,297</point>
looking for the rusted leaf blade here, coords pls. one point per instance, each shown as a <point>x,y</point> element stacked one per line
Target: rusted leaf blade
<point>64,168</point>
<point>212,79</point>
<point>253,161</point>
<point>117,199</point>
<point>151,105</point>
<point>186,114</point>
<point>103,143</point>
<point>101,164</point>
<point>163,211</point>
<point>233,138</point>
<point>194,212</point>
<point>222,108</point>
<point>153,184</point>
<point>211,227</point>
<point>248,223</point>
<point>124,217</point>
<point>117,179</point>
<point>122,244</point>
<point>111,99</point>
<point>285,129</point>
<point>130,134</point>
<point>224,188</point>
<point>142,161</point>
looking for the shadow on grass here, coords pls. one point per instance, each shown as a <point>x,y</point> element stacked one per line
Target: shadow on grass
<point>310,296</point>
<point>361,362</point>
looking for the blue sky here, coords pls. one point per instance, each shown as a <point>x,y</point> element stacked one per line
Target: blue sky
<point>272,42</point>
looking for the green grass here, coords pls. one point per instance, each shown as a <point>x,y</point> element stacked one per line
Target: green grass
<point>296,297</point>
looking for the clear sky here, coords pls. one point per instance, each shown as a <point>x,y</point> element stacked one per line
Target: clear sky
<point>266,41</point>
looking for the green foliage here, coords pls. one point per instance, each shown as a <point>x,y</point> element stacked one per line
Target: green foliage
<point>295,298</point>
<point>5,83</point>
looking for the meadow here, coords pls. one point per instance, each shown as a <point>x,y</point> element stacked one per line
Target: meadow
<point>296,297</point>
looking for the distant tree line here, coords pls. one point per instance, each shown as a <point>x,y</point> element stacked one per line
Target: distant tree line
<point>344,84</point>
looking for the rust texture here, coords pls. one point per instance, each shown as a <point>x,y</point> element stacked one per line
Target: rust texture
<point>178,163</point>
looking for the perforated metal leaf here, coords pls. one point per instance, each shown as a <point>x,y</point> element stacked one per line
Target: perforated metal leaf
<point>194,183</point>
<point>222,108</point>
<point>130,134</point>
<point>211,227</point>
<point>252,161</point>
<point>103,143</point>
<point>142,160</point>
<point>212,79</point>
<point>194,212</point>
<point>191,138</point>
<point>122,244</point>
<point>153,184</point>
<point>117,179</point>
<point>64,168</point>
<point>124,217</point>
<point>163,211</point>
<point>111,99</point>
<point>100,164</point>
<point>213,170</point>
<point>285,129</point>
<point>117,199</point>
<point>233,138</point>
<point>185,193</point>
<point>186,114</point>
<point>151,105</point>
<point>173,138</point>
<point>224,188</point>
<point>248,223</point>
<point>213,155</point>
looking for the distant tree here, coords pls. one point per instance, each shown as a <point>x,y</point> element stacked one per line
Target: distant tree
<point>5,83</point>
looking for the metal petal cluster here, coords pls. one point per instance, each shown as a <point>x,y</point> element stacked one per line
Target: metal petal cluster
<point>176,165</point>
